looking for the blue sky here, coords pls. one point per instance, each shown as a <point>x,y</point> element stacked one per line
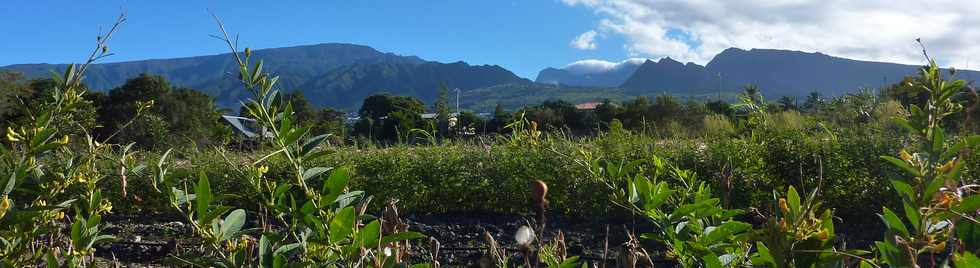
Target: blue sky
<point>523,36</point>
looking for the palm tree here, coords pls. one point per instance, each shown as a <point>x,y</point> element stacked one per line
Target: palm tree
<point>752,91</point>
<point>813,101</point>
<point>787,103</point>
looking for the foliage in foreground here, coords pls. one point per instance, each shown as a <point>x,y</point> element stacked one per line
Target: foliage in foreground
<point>940,209</point>
<point>38,194</point>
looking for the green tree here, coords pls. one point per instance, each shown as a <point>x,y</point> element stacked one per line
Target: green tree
<point>12,89</point>
<point>441,107</point>
<point>500,118</point>
<point>787,103</point>
<point>185,115</point>
<point>303,111</point>
<point>380,105</point>
<point>395,115</point>
<point>908,91</point>
<point>192,116</point>
<point>635,113</point>
<point>470,120</point>
<point>330,121</point>
<point>814,102</point>
<point>606,112</point>
<point>752,92</point>
<point>665,108</point>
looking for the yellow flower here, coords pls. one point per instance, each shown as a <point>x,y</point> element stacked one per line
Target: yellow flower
<point>782,205</point>
<point>905,155</point>
<point>4,205</point>
<point>263,169</point>
<point>939,248</point>
<point>946,199</point>
<point>63,140</point>
<point>946,167</point>
<point>13,136</point>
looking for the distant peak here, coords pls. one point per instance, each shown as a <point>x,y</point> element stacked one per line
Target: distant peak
<point>668,60</point>
<point>591,66</point>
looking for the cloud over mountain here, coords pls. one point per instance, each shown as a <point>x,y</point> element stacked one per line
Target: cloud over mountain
<point>869,30</point>
<point>585,41</point>
<point>596,66</point>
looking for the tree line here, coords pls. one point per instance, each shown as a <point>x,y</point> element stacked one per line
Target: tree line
<point>177,116</point>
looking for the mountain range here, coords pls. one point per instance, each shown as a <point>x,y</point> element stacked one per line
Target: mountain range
<point>337,75</point>
<point>776,72</point>
<point>342,75</point>
<point>591,73</point>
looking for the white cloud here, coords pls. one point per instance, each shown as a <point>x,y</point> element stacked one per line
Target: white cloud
<point>592,66</point>
<point>585,41</point>
<point>883,30</point>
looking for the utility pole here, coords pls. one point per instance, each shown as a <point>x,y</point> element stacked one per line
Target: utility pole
<point>719,86</point>
<point>457,102</point>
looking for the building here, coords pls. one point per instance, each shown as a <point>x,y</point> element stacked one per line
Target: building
<point>587,106</point>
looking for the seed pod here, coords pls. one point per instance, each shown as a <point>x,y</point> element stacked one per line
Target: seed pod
<point>823,235</point>
<point>539,192</point>
<point>782,205</point>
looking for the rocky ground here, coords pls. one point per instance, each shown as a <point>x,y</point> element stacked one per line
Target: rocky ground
<point>148,240</point>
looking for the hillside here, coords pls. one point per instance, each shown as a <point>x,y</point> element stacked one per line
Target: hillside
<point>776,72</point>
<point>347,86</point>
<point>212,74</point>
<point>590,73</point>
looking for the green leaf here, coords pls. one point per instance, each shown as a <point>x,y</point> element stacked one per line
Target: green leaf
<point>905,124</point>
<point>76,229</point>
<point>659,195</point>
<point>313,142</point>
<point>232,224</point>
<point>912,213</point>
<point>99,239</point>
<point>293,135</point>
<point>570,262</point>
<point>257,71</point>
<point>10,183</point>
<point>334,186</point>
<point>213,214</point>
<point>711,261</point>
<point>50,260</point>
<point>968,232</point>
<point>342,224</point>
<point>793,200</point>
<point>314,172</point>
<point>369,236</point>
<point>904,189</point>
<point>719,233</point>
<point>894,223</point>
<point>938,137</point>
<point>902,165</point>
<point>891,255</point>
<point>286,249</point>
<point>966,259</point>
<point>265,251</point>
<point>762,256</point>
<point>203,195</point>
<point>933,187</point>
<point>969,204</point>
